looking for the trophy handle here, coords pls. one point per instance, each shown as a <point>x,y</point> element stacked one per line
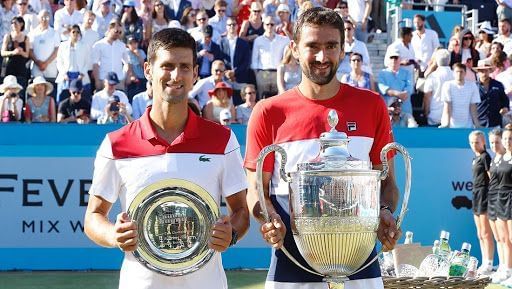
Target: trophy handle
<point>261,194</point>
<point>385,168</point>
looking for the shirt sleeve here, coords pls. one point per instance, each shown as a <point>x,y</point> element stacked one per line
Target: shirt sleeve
<point>445,95</point>
<point>383,132</point>
<point>382,85</point>
<point>255,54</point>
<point>106,181</point>
<point>428,85</point>
<point>259,135</point>
<point>233,175</point>
<point>475,94</point>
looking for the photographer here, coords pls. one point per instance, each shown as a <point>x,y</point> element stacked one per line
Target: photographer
<point>75,108</point>
<point>10,102</point>
<point>115,112</point>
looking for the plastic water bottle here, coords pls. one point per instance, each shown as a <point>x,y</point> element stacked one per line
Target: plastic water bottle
<point>459,264</point>
<point>472,268</point>
<point>435,248</point>
<point>444,246</point>
<point>408,237</point>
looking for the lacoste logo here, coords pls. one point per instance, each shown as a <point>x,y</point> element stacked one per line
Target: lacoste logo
<point>203,158</point>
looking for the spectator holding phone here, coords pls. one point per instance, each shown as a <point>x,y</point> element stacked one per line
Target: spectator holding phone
<point>102,98</point>
<point>10,102</point>
<point>115,112</point>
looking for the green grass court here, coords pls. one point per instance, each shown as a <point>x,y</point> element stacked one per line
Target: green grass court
<point>108,280</point>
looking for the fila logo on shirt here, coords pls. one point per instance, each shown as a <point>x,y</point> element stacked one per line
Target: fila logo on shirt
<point>351,126</point>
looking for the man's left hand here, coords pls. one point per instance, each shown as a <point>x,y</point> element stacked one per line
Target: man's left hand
<point>221,235</point>
<point>388,233</point>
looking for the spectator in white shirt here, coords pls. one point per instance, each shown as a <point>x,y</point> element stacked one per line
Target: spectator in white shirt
<point>460,101</point>
<point>109,54</point>
<point>353,45</point>
<point>103,17</point>
<point>506,78</point>
<point>44,44</point>
<point>424,42</point>
<point>142,100</point>
<point>72,64</point>
<point>66,17</point>
<point>218,21</point>
<point>89,36</point>
<point>100,99</point>
<point>432,100</point>
<point>202,22</point>
<point>505,35</point>
<point>267,53</point>
<point>407,56</point>
<point>30,18</point>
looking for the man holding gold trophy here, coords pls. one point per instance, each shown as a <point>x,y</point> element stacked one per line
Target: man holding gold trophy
<point>294,120</point>
<point>169,170</point>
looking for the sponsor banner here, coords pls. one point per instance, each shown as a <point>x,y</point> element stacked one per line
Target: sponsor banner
<point>44,184</point>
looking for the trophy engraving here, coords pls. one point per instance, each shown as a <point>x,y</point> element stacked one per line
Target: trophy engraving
<point>174,220</point>
<point>334,204</point>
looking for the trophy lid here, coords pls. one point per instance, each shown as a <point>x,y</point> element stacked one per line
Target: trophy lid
<point>334,153</point>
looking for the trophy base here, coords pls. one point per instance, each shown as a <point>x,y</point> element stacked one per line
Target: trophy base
<point>335,282</point>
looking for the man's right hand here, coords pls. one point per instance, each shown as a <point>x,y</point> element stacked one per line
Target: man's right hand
<point>125,233</point>
<point>274,232</point>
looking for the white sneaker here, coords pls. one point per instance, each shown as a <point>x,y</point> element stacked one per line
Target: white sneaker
<point>507,283</point>
<point>484,270</point>
<point>499,277</point>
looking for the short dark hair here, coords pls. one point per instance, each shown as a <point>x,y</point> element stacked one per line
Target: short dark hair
<point>322,17</point>
<point>405,31</point>
<point>420,16</point>
<point>171,38</point>
<point>459,65</point>
<point>20,20</point>
<point>506,20</point>
<point>358,54</point>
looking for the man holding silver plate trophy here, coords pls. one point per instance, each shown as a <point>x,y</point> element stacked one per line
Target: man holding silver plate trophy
<point>169,170</point>
<point>332,193</point>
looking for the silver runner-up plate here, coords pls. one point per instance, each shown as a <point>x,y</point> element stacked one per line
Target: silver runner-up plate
<point>174,220</point>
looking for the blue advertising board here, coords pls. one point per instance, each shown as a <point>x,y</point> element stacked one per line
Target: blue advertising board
<point>46,171</point>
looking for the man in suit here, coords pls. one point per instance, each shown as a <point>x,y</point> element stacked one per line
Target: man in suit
<point>207,52</point>
<point>174,8</point>
<point>235,53</point>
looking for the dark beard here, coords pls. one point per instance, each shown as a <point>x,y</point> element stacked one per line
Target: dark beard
<point>320,80</point>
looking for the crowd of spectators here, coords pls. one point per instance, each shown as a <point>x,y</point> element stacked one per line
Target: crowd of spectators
<point>83,61</point>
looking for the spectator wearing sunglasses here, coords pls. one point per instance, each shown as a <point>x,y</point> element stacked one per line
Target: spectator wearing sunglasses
<point>66,17</point>
<point>74,109</point>
<point>218,21</point>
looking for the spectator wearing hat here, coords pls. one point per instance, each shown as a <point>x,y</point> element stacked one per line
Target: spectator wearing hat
<point>109,55</point>
<point>218,21</point>
<point>66,17</point>
<point>395,82</point>
<point>424,41</point>
<point>220,99</point>
<point>407,56</point>
<point>104,16</point>
<point>235,53</point>
<point>399,118</point>
<point>10,101</point>
<point>40,106</point>
<point>44,45</point>
<point>267,54</point>
<point>202,22</point>
<point>225,116</point>
<point>101,98</point>
<point>74,109</point>
<point>131,22</point>
<point>143,100</point>
<point>460,101</point>
<point>485,36</point>
<point>432,99</point>
<point>135,80</point>
<point>207,52</point>
<point>200,90</point>
<point>30,18</point>
<point>115,112</point>
<point>15,48</point>
<point>284,24</point>
<point>494,102</point>
<point>72,63</point>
